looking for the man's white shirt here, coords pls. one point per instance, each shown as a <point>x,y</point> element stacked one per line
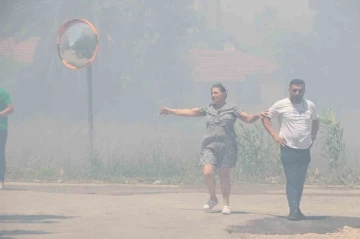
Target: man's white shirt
<point>295,121</point>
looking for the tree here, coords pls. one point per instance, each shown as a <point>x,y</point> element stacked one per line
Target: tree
<point>326,58</point>
<point>142,44</point>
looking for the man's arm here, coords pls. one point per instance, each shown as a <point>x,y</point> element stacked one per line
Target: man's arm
<point>315,124</point>
<point>314,128</point>
<point>268,126</point>
<point>274,112</point>
<point>7,111</point>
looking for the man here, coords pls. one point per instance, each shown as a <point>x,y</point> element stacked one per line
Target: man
<point>6,108</point>
<point>299,124</point>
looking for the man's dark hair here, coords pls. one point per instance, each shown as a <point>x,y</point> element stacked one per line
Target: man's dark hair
<point>297,82</point>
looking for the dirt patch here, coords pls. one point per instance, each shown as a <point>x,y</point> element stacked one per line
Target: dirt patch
<point>282,226</point>
<point>345,233</point>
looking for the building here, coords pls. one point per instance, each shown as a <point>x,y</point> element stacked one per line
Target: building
<point>249,78</point>
<point>21,51</point>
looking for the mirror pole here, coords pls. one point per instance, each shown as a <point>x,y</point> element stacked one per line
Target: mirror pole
<point>90,109</point>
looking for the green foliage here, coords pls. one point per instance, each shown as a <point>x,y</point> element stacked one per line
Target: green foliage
<point>341,169</point>
<point>142,169</point>
<point>149,38</point>
<point>258,155</point>
<point>333,147</point>
<point>142,51</point>
<point>8,72</point>
<point>258,160</point>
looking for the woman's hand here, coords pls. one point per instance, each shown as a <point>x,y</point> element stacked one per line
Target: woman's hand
<point>264,114</point>
<point>165,111</point>
<point>251,118</point>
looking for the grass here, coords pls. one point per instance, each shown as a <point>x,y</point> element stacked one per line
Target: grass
<point>50,149</point>
<point>258,159</point>
<point>341,170</point>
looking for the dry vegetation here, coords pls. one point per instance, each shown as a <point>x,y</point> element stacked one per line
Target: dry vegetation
<point>51,149</point>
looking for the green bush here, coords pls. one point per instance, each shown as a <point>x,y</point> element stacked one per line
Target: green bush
<point>169,157</point>
<point>258,156</point>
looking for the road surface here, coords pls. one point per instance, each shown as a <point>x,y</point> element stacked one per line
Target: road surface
<point>93,211</point>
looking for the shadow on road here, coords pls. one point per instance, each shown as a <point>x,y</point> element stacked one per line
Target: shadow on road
<point>279,225</point>
<point>8,234</point>
<point>17,218</point>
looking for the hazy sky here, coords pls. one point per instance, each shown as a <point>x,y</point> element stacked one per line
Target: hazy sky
<point>291,15</point>
<point>259,24</point>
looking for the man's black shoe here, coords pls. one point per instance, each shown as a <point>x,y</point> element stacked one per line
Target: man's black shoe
<point>294,216</point>
<point>301,215</point>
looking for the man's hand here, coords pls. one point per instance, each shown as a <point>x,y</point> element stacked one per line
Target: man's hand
<point>279,140</point>
<point>312,141</point>
<point>7,111</point>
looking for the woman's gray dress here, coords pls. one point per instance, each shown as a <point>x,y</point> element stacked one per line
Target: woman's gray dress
<point>219,146</point>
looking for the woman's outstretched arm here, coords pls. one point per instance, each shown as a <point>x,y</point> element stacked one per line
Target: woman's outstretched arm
<point>193,112</point>
<point>251,118</point>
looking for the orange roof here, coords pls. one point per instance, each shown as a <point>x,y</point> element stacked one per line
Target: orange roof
<point>226,65</point>
<point>208,65</point>
<point>20,51</point>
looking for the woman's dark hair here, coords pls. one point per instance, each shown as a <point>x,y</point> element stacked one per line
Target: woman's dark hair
<point>221,87</point>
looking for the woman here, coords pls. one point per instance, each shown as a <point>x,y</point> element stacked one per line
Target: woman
<point>219,147</point>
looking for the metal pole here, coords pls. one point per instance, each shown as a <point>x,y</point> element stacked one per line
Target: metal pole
<point>90,109</point>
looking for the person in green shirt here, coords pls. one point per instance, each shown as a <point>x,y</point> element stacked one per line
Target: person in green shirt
<point>6,108</point>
